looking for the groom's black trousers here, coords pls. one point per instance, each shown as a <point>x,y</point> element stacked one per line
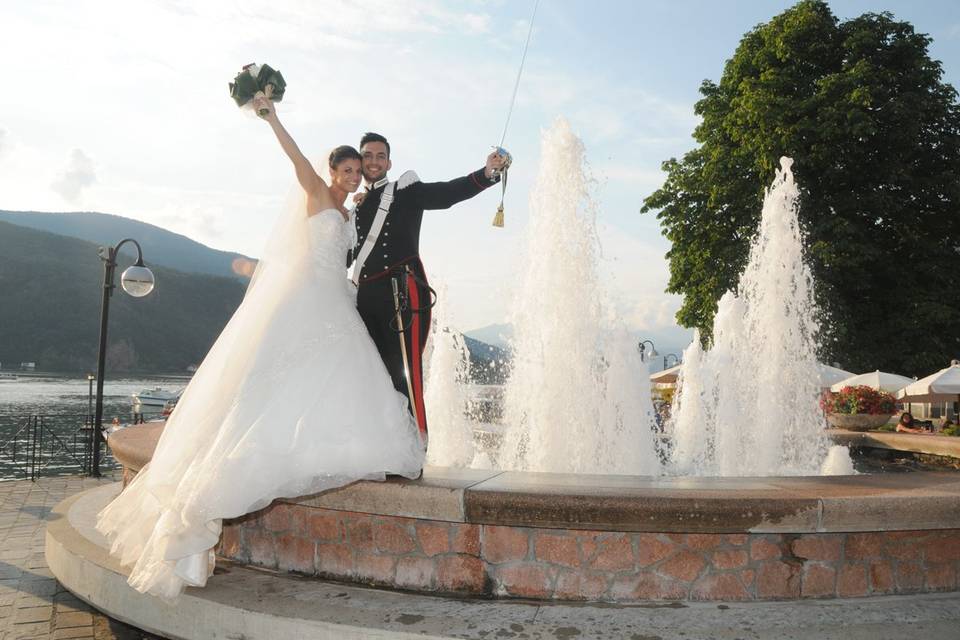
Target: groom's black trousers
<point>375,302</point>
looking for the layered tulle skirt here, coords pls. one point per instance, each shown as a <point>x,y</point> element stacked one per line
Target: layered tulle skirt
<point>293,399</point>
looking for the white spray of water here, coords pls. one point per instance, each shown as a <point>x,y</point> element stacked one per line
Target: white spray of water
<point>578,398</point>
<point>838,462</point>
<point>749,405</point>
<point>445,392</point>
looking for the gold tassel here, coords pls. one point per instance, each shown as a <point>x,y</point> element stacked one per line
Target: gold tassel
<point>498,219</point>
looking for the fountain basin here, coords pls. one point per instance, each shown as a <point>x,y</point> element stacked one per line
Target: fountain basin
<point>618,538</point>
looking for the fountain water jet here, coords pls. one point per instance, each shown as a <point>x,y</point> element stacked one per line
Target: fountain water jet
<point>578,398</point>
<point>445,392</point>
<point>748,406</point>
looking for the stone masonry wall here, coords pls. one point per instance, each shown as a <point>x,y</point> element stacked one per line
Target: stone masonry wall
<point>445,557</point>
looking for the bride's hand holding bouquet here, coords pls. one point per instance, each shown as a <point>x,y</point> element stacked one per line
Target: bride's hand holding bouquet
<point>258,86</point>
<point>263,106</point>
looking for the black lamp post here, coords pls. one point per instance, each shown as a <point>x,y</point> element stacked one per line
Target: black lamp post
<point>90,379</point>
<point>138,282</point>
<point>643,355</point>
<point>88,425</point>
<point>676,359</point>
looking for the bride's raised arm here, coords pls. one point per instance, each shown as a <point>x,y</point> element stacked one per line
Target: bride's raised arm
<point>318,193</point>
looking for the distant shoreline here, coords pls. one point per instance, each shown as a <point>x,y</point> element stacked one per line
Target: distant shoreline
<point>83,375</point>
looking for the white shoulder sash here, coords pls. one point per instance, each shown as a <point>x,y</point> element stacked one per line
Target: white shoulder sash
<point>386,199</point>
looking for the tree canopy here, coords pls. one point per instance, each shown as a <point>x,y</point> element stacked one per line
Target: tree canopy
<point>875,134</point>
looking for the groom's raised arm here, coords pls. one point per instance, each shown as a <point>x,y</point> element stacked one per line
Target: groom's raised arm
<point>443,195</point>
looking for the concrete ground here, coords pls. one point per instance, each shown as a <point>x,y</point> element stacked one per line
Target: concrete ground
<point>241,602</point>
<point>32,603</point>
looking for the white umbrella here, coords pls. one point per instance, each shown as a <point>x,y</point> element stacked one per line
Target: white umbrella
<point>942,386</point>
<point>829,375</point>
<point>879,380</point>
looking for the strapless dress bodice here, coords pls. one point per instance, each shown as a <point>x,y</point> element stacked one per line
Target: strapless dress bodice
<point>331,238</point>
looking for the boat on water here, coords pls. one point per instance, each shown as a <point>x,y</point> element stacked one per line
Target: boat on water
<point>152,400</point>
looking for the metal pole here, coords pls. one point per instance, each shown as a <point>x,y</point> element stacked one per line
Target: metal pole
<point>39,448</point>
<point>88,423</point>
<point>109,266</point>
<point>33,450</point>
<point>89,396</point>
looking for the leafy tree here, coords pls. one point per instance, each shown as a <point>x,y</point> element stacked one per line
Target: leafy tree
<point>875,135</point>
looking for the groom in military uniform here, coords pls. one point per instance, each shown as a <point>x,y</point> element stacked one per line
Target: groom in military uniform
<point>393,295</point>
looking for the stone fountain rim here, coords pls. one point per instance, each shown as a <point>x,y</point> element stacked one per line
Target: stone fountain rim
<point>802,504</point>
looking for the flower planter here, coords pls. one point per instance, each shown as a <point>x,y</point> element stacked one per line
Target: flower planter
<point>857,421</point>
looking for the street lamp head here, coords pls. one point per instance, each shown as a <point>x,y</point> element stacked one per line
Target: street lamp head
<point>137,280</point>
<point>644,354</point>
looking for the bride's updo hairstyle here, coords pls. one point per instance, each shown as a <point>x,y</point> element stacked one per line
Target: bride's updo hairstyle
<point>341,153</point>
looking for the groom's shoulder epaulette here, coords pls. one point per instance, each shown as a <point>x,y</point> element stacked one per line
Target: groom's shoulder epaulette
<point>406,179</point>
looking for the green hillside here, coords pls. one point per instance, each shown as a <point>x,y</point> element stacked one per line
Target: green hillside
<point>50,291</point>
<point>160,247</point>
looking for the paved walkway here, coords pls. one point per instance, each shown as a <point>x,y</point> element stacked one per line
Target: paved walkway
<point>32,603</point>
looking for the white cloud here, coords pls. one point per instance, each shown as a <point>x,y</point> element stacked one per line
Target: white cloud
<point>79,175</point>
<point>476,23</point>
<point>201,223</point>
<point>3,141</point>
<point>633,116</point>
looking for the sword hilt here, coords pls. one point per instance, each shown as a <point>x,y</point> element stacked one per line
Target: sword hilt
<point>508,160</point>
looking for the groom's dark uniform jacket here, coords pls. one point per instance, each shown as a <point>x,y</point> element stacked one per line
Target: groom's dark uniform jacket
<point>396,256</point>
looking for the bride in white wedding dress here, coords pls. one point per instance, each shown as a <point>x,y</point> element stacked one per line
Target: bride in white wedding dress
<point>292,398</point>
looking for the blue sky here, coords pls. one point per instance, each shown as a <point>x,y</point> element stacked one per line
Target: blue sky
<point>122,107</point>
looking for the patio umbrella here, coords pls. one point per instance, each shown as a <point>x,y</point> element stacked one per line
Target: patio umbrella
<point>942,386</point>
<point>829,375</point>
<point>879,380</point>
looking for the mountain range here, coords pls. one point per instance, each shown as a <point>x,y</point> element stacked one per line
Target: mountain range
<point>160,247</point>
<point>501,335</point>
<point>50,292</point>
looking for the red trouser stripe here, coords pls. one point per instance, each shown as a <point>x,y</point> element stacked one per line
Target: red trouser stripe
<point>415,368</point>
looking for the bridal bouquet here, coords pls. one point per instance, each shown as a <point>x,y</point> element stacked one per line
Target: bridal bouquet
<point>254,79</point>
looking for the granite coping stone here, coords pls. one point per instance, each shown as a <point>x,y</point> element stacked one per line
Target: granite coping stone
<point>438,495</point>
<point>809,504</point>
<point>133,446</point>
<point>932,444</point>
<point>882,502</point>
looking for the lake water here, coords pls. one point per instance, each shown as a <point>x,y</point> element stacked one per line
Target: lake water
<point>64,402</point>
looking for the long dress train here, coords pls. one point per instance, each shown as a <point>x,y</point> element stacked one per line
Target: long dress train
<point>292,399</point>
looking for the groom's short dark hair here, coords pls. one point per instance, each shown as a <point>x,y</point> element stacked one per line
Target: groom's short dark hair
<point>370,136</point>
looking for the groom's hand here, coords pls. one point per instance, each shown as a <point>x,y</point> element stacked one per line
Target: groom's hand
<point>495,162</point>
